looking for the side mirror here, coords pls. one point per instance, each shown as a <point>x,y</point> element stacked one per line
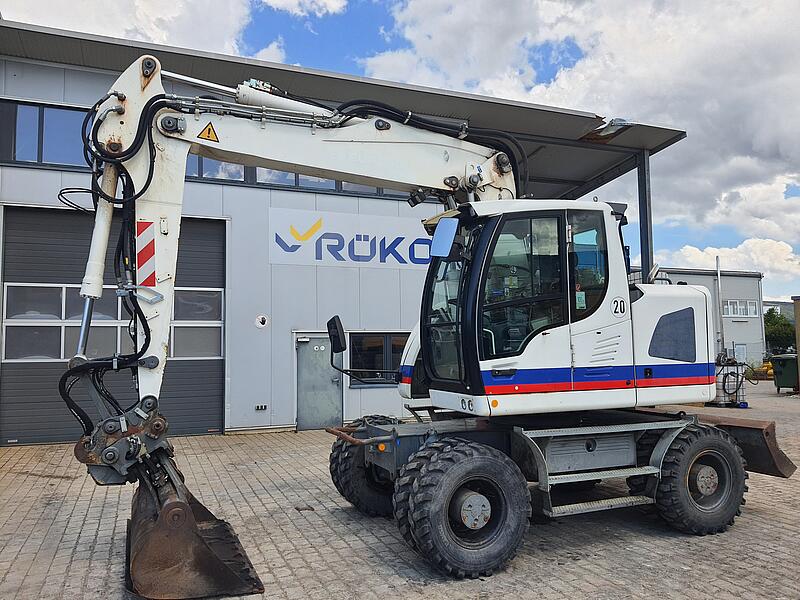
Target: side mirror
<point>336,335</point>
<point>446,242</point>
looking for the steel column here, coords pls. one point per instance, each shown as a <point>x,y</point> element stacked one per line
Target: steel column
<point>645,214</point>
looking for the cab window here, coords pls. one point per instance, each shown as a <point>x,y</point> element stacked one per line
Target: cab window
<point>523,293</point>
<point>588,262</point>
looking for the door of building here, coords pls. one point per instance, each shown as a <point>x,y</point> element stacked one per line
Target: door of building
<point>319,387</point>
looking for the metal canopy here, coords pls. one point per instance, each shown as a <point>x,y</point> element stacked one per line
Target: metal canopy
<point>570,153</point>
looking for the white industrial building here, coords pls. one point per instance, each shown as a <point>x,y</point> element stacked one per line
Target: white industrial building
<point>247,349</point>
<point>740,327</point>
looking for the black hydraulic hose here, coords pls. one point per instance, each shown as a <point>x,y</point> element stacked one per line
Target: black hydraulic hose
<point>377,108</point>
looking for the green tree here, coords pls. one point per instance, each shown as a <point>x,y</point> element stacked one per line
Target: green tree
<point>778,330</point>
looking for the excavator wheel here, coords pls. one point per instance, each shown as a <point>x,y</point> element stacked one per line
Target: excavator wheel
<point>362,486</point>
<point>703,481</point>
<point>404,484</point>
<point>644,448</point>
<point>470,509</point>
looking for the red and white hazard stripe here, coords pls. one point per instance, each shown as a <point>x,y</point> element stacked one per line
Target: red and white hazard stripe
<point>146,253</point>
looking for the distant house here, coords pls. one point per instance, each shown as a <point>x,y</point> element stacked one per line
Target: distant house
<point>782,308</point>
<point>742,307</point>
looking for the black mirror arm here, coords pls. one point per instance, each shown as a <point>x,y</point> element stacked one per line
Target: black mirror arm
<point>349,372</point>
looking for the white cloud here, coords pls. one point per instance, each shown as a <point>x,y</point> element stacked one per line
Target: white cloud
<point>302,8</point>
<point>726,71</point>
<point>274,52</point>
<point>774,258</point>
<point>191,24</point>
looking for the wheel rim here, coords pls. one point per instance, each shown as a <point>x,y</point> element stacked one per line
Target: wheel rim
<point>476,511</point>
<point>708,480</point>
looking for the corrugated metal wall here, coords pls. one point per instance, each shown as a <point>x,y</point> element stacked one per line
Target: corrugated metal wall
<point>50,246</point>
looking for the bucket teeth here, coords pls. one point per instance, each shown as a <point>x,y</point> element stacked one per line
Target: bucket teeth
<point>178,549</point>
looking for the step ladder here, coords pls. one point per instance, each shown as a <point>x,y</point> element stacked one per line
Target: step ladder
<point>671,427</point>
<point>605,503</point>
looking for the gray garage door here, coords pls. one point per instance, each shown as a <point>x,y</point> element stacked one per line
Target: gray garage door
<point>44,251</point>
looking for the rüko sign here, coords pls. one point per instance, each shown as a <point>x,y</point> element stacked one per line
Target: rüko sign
<point>306,237</point>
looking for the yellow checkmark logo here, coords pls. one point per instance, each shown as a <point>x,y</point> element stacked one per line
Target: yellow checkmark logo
<point>304,237</point>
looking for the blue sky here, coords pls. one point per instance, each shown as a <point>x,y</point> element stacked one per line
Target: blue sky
<point>334,42</point>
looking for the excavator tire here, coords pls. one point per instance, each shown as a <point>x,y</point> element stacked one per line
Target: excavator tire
<point>703,481</point>
<point>470,509</point>
<point>404,484</point>
<point>644,448</point>
<point>359,484</point>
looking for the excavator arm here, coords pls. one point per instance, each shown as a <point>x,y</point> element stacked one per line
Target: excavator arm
<point>137,139</point>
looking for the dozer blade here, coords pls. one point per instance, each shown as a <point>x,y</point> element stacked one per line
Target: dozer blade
<point>178,549</point>
<point>758,443</point>
<point>756,439</point>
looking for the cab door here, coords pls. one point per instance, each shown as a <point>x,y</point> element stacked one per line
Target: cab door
<point>523,321</point>
<point>600,315</point>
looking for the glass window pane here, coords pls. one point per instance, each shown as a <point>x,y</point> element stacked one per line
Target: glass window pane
<point>215,169</point>
<point>192,305</point>
<point>198,341</point>
<point>102,341</point>
<point>191,166</point>
<point>751,308</point>
<point>104,308</point>
<point>726,309</point>
<point>62,137</point>
<point>33,303</point>
<point>317,182</point>
<point>274,177</point>
<point>357,187</point>
<point>391,192</point>
<point>398,345</point>
<point>33,342</point>
<point>366,355</point>
<point>588,261</point>
<point>27,133</point>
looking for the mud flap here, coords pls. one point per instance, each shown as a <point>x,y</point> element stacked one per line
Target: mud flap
<point>178,549</point>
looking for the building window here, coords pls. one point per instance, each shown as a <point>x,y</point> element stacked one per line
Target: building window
<point>51,135</point>
<point>359,188</point>
<point>26,133</point>
<point>319,183</point>
<point>275,177</point>
<point>371,352</point>
<point>61,140</point>
<point>740,308</point>
<point>41,322</point>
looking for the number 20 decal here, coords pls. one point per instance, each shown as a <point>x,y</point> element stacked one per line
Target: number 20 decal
<point>619,306</point>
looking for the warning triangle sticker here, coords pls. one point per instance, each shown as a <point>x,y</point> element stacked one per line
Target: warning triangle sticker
<point>208,133</point>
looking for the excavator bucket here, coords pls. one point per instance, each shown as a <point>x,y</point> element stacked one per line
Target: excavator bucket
<point>178,549</point>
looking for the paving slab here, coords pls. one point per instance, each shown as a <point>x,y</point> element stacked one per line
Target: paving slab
<point>63,537</point>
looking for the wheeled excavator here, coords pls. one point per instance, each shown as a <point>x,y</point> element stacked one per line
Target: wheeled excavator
<point>534,365</point>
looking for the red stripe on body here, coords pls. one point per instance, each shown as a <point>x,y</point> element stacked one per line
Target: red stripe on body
<point>405,380</point>
<point>597,385</point>
<point>149,281</point>
<point>670,381</point>
<point>603,385</point>
<point>523,388</point>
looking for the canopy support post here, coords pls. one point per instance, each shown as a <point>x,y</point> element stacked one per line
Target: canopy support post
<point>645,214</point>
